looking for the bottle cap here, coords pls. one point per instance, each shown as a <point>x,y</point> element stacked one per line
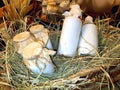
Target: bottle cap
<point>32,50</point>
<point>21,36</point>
<point>36,28</point>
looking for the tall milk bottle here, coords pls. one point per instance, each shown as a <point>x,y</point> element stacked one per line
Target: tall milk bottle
<point>88,44</point>
<point>70,32</point>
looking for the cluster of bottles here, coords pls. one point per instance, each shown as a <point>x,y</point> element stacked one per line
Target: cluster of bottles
<point>78,37</point>
<point>35,47</point>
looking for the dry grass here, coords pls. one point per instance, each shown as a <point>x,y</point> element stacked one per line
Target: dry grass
<point>16,9</point>
<point>71,73</point>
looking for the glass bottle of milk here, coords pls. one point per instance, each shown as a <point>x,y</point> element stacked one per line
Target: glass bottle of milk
<point>88,43</point>
<point>70,32</point>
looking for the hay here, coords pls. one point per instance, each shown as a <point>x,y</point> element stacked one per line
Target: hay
<point>16,10</point>
<point>83,72</point>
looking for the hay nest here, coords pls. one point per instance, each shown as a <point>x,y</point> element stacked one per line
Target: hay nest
<point>78,73</point>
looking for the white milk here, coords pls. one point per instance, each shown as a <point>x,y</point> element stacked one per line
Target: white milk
<point>41,33</point>
<point>69,36</point>
<point>88,43</point>
<point>37,58</point>
<point>22,40</point>
<point>70,32</point>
